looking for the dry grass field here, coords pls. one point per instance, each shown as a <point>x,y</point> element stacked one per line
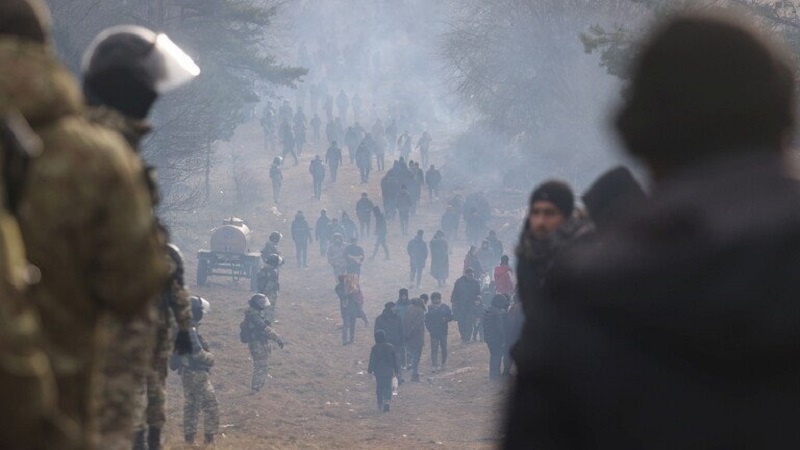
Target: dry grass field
<point>319,395</point>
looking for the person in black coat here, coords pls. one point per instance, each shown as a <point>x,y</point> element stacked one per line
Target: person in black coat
<point>417,256</point>
<point>383,364</point>
<point>321,231</point>
<point>389,321</point>
<point>440,259</point>
<point>681,327</point>
<point>465,290</point>
<point>436,320</point>
<point>301,235</point>
<point>494,333</point>
<point>380,232</point>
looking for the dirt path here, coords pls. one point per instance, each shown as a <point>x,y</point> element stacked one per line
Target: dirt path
<point>319,395</point>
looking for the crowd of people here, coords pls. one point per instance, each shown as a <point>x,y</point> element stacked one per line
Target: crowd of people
<point>632,321</point>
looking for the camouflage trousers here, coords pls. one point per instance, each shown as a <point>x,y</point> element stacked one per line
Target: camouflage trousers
<point>260,352</point>
<point>198,394</point>
<point>273,300</point>
<point>128,358</point>
<point>153,392</point>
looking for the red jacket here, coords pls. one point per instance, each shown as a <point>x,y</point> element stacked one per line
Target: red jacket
<point>502,280</point>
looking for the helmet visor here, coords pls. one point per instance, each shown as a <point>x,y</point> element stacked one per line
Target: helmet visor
<point>178,67</point>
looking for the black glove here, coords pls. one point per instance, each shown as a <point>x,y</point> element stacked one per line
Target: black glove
<point>183,343</point>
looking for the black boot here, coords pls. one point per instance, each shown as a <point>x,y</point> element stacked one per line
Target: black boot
<point>189,438</point>
<point>154,438</point>
<point>139,441</point>
<point>209,438</point>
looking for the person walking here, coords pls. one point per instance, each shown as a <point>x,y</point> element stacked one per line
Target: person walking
<point>301,235</point>
<point>364,213</point>
<point>414,334</point>
<point>465,290</point>
<point>380,232</point>
<point>317,170</point>
<point>494,333</point>
<point>383,364</point>
<point>321,231</point>
<point>437,319</point>
<point>417,255</point>
<point>333,158</point>
<point>440,259</point>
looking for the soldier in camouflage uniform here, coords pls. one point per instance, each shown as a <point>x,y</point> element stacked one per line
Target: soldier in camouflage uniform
<point>120,84</point>
<point>86,220</point>
<point>198,392</point>
<point>259,334</point>
<point>269,283</point>
<point>174,311</point>
<point>31,419</point>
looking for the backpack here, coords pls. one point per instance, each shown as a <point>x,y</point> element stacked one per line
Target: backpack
<point>245,331</point>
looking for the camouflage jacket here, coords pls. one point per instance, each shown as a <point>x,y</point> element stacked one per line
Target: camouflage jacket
<point>259,326</point>
<point>86,217</point>
<point>200,358</point>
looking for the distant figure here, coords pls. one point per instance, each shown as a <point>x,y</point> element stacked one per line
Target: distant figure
<point>350,228</point>
<point>433,179</point>
<point>383,364</point>
<point>391,324</point>
<point>486,256</point>
<point>198,391</point>
<point>450,220</point>
<point>465,290</point>
<point>301,235</point>
<point>476,319</point>
<point>347,290</point>
<point>440,259</point>
<point>424,146</point>
<point>352,141</point>
<point>268,122</point>
<point>494,333</point>
<point>287,139</point>
<point>321,231</point>
<point>354,257</point>
<point>471,261</point>
<point>391,135</point>
<point>299,131</point>
<point>336,255</point>
<point>316,126</point>
<point>364,159</point>
<point>364,213</point>
<point>276,177</point>
<point>333,158</point>
<point>436,320</point>
<point>495,244</point>
<point>256,332</point>
<point>404,204</point>
<point>404,145</point>
<point>380,232</point>
<point>317,170</point>
<point>414,334</point>
<point>417,255</point>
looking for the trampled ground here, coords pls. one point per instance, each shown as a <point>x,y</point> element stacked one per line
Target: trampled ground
<point>319,395</point>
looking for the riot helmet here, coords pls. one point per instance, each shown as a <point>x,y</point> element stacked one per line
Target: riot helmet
<point>274,260</point>
<point>275,237</point>
<point>127,67</point>
<point>278,160</point>
<point>259,301</point>
<point>200,307</point>
<point>176,258</point>
<point>26,19</point>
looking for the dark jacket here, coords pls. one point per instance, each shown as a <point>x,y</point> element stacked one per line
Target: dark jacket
<point>392,325</point>
<point>380,225</point>
<point>436,319</point>
<point>417,252</point>
<point>383,360</point>
<point>494,325</point>
<point>404,202</point>
<point>364,208</point>
<point>301,232</point>
<point>321,229</point>
<point>464,292</point>
<point>414,326</point>
<point>440,260</point>
<point>681,329</point>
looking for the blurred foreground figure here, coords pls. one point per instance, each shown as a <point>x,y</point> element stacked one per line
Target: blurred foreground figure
<point>86,217</point>
<point>681,327</point>
<point>125,70</point>
<point>26,379</point>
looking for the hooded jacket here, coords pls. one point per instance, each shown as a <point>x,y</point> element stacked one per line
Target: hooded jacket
<point>681,329</point>
<point>392,325</point>
<point>414,325</point>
